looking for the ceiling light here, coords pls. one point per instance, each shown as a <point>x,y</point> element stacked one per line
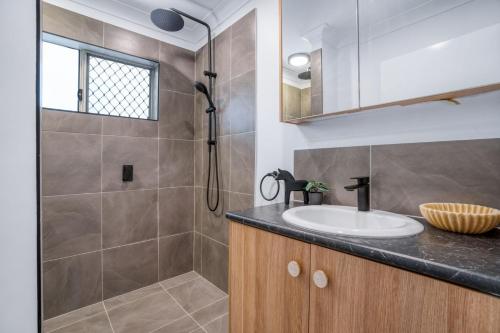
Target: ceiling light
<point>299,59</point>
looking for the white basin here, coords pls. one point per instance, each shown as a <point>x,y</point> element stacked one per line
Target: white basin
<point>344,220</point>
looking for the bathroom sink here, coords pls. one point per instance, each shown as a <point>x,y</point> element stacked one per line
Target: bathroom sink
<point>348,221</point>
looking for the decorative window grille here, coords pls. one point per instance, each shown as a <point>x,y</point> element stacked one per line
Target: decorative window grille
<point>81,77</point>
<point>117,88</point>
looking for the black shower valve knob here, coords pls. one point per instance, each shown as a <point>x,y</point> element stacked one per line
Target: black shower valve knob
<point>210,74</point>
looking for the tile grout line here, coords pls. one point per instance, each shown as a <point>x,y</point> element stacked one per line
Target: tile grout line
<point>134,300</point>
<point>118,246</point>
<point>73,322</point>
<point>194,171</point>
<point>170,323</point>
<point>177,92</point>
<point>109,319</point>
<point>240,193</point>
<point>202,210</point>
<point>72,256</point>
<point>147,295</point>
<point>156,137</point>
<point>212,239</point>
<point>182,308</point>
<point>216,318</point>
<point>208,305</point>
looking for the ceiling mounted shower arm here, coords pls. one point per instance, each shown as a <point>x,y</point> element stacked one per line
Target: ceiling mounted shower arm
<point>210,73</point>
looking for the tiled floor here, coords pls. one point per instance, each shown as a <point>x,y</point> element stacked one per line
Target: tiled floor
<point>183,304</point>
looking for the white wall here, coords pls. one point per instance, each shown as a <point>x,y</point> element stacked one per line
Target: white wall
<point>18,311</point>
<point>477,117</point>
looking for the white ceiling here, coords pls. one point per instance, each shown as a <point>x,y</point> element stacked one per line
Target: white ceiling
<point>134,15</point>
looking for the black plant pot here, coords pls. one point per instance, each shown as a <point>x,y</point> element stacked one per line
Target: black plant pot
<point>315,198</point>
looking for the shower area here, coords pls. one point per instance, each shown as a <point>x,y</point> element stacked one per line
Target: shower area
<point>136,176</point>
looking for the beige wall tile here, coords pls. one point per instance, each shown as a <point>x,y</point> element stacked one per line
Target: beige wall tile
<point>176,68</point>
<point>129,267</point>
<point>407,175</point>
<point>242,104</point>
<point>176,255</point>
<point>334,166</point>
<point>197,252</point>
<point>72,122</point>
<point>222,103</point>
<point>176,115</point>
<point>62,22</point>
<point>129,216</point>
<point>214,224</point>
<point>243,45</point>
<point>215,261</point>
<point>71,225</point>
<point>71,163</point>
<point>71,283</point>
<point>130,42</point>
<point>129,127</point>
<point>142,153</point>
<point>242,163</point>
<point>222,56</point>
<point>176,163</point>
<point>176,210</point>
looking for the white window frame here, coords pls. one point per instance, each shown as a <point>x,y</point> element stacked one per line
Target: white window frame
<point>86,50</point>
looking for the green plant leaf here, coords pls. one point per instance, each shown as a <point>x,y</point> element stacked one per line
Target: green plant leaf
<point>316,186</point>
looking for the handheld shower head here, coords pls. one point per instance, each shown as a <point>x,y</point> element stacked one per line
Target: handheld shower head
<point>167,19</point>
<point>203,89</point>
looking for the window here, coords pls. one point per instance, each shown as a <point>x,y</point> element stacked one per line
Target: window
<point>60,77</point>
<point>85,78</point>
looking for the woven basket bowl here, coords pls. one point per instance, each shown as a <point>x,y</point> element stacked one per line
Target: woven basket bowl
<point>462,218</point>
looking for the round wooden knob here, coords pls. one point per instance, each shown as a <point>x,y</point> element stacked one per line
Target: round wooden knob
<point>320,279</point>
<point>293,268</point>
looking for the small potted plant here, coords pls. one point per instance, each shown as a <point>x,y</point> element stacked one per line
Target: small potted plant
<point>316,190</point>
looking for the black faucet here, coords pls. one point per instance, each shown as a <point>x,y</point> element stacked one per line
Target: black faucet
<point>363,187</point>
<point>292,185</point>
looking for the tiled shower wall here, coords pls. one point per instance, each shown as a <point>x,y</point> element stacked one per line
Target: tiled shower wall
<point>403,176</point>
<point>234,51</point>
<point>103,237</point>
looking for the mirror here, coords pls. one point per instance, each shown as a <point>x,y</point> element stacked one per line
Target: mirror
<point>319,58</point>
<point>416,48</point>
<point>349,56</point>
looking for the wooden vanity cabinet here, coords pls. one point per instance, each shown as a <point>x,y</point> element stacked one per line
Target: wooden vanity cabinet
<point>359,295</point>
<point>365,296</point>
<point>264,296</point>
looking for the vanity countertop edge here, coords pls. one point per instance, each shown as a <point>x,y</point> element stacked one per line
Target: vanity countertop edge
<point>471,261</point>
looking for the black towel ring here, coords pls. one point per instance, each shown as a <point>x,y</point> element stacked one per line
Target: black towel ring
<point>273,174</point>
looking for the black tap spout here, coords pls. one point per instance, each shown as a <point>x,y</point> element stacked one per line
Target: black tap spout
<point>363,187</point>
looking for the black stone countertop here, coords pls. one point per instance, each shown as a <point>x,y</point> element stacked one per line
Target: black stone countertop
<point>467,260</point>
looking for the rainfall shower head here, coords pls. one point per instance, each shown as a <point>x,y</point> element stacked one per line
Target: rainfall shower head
<point>305,75</point>
<point>167,19</point>
<point>203,89</point>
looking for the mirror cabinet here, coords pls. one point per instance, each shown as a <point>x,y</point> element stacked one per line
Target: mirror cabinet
<point>345,56</point>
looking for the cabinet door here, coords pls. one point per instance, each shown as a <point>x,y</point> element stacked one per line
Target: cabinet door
<point>421,50</point>
<point>264,297</point>
<point>364,296</point>
<point>324,35</point>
